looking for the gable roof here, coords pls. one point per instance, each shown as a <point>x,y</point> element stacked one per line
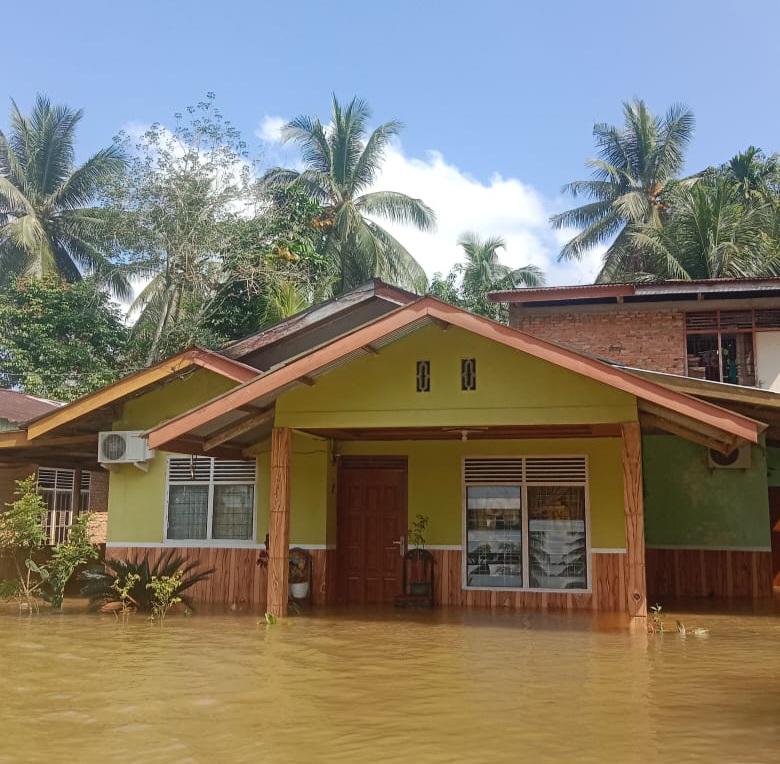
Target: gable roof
<point>18,408</point>
<point>216,421</point>
<point>135,384</point>
<point>318,324</point>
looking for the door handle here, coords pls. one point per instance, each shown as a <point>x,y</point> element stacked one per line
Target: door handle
<point>401,545</point>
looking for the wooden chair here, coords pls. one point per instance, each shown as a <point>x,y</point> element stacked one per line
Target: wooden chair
<point>418,580</point>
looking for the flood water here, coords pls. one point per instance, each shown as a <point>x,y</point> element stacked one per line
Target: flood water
<point>379,686</point>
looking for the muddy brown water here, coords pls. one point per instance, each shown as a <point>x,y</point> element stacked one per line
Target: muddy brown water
<point>380,686</point>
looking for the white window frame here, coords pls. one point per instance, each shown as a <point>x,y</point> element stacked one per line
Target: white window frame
<point>208,541</point>
<point>524,485</point>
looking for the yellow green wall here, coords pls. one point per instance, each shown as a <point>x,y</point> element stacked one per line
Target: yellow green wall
<point>436,480</point>
<point>512,388</point>
<point>136,499</point>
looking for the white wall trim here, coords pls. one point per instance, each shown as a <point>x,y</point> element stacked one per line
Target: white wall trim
<point>688,548</point>
<point>452,547</point>
<point>607,550</point>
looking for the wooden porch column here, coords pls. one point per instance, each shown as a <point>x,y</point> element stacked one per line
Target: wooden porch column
<point>636,581</point>
<point>279,526</point>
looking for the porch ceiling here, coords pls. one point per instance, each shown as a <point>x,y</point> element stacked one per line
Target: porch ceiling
<point>470,432</point>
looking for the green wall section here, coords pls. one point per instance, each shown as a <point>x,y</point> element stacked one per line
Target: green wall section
<point>512,388</point>
<point>773,466</point>
<point>690,505</point>
<point>436,480</point>
<point>136,499</point>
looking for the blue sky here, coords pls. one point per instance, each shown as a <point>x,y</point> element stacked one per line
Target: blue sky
<point>498,97</point>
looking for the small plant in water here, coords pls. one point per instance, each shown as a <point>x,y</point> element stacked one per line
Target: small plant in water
<point>271,619</point>
<point>658,621</point>
<point>164,595</point>
<point>123,589</point>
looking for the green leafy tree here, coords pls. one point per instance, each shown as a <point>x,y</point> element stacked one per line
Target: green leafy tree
<point>635,165</point>
<point>47,223</point>
<point>277,266</point>
<point>59,340</point>
<point>175,211</point>
<point>341,163</point>
<point>22,533</point>
<point>66,557</point>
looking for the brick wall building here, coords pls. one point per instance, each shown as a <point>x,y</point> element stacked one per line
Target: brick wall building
<point>723,330</point>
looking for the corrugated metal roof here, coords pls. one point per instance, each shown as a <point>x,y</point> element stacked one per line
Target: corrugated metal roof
<point>19,407</point>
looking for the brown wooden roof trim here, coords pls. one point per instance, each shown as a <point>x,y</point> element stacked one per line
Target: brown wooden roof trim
<point>170,367</point>
<point>727,421</point>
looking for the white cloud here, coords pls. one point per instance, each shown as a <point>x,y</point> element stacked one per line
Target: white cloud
<point>504,207</point>
<point>270,128</point>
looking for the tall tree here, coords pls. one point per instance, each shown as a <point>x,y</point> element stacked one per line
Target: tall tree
<point>635,165</point>
<point>60,340</point>
<point>341,164</point>
<point>46,222</point>
<point>176,211</point>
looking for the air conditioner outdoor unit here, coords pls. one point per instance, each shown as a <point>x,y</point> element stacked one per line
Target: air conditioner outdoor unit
<point>738,459</point>
<point>123,447</point>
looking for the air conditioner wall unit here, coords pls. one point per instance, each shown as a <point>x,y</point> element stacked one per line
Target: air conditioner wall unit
<point>738,459</point>
<point>123,447</point>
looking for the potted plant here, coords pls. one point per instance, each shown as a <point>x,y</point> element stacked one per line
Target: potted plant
<point>298,579</point>
<point>419,586</point>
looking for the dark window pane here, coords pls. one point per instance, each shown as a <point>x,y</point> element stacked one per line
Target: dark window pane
<point>188,508</point>
<point>233,507</point>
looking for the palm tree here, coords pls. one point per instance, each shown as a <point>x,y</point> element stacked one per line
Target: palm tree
<point>635,166</point>
<point>46,224</point>
<point>713,231</point>
<point>482,272</point>
<point>340,166</point>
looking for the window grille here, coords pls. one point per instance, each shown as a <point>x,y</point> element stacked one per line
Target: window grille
<point>468,374</point>
<point>210,499</point>
<point>423,376</point>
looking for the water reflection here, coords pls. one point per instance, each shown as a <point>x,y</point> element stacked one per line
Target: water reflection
<point>379,686</point>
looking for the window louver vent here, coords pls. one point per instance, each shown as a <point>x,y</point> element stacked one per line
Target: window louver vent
<point>86,480</point>
<point>736,319</point>
<point>233,470</point>
<point>568,469</point>
<point>373,462</point>
<point>198,469</point>
<point>49,477</point>
<point>698,322</point>
<point>768,319</point>
<point>493,471</point>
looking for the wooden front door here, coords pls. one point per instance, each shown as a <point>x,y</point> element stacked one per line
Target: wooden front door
<point>372,518</point>
<point>774,525</point>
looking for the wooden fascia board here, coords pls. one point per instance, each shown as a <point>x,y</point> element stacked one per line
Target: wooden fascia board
<point>599,371</point>
<point>602,372</point>
<point>113,392</point>
<point>285,375</point>
<point>19,439</point>
<point>725,446</point>
<point>205,359</point>
<point>226,367</point>
<point>237,428</point>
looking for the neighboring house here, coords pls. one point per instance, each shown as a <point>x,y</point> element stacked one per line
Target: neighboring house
<point>66,489</point>
<point>710,526</point>
<point>334,429</point>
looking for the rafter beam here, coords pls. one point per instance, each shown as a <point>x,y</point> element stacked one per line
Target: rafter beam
<point>370,349</point>
<point>307,381</point>
<point>724,445</point>
<point>238,428</point>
